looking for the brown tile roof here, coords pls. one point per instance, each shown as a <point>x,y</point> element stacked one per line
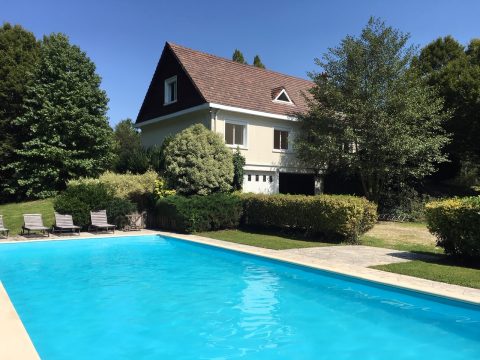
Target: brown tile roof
<point>229,83</point>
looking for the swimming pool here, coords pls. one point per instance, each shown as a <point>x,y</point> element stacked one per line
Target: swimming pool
<point>152,297</point>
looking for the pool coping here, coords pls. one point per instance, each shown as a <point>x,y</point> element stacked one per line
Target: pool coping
<point>19,345</point>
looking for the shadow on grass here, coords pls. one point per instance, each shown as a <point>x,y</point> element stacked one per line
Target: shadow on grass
<point>291,234</point>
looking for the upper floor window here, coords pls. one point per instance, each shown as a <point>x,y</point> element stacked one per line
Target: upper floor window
<point>280,139</point>
<point>282,97</point>
<point>171,90</point>
<point>235,134</point>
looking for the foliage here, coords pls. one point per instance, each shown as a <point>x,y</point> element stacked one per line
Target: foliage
<point>18,56</point>
<point>403,202</point>
<point>139,188</point>
<point>198,162</point>
<point>336,217</point>
<point>198,213</point>
<point>257,62</point>
<point>238,165</point>
<point>455,72</point>
<point>455,223</point>
<point>370,114</point>
<point>65,114</point>
<point>161,189</point>
<point>79,199</point>
<point>238,57</point>
<point>130,155</point>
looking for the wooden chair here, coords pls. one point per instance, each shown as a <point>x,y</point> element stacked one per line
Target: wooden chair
<point>64,223</point>
<point>33,222</point>
<point>3,229</point>
<point>136,221</point>
<point>99,221</point>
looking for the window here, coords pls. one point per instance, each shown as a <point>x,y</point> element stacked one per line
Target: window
<point>283,97</point>
<point>171,90</point>
<point>264,178</point>
<point>280,139</point>
<point>235,134</point>
<point>249,177</point>
<point>271,178</point>
<point>256,177</point>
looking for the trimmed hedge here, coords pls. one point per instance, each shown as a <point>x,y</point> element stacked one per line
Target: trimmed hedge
<point>456,224</point>
<point>78,200</point>
<point>336,217</point>
<point>197,213</point>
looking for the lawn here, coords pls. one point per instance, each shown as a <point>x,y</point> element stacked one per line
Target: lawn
<point>263,239</point>
<point>441,270</point>
<point>13,213</point>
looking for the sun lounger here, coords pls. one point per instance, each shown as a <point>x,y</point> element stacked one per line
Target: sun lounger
<point>33,222</point>
<point>64,223</point>
<point>99,221</point>
<point>3,229</point>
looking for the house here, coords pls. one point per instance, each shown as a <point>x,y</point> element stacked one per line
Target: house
<point>253,109</point>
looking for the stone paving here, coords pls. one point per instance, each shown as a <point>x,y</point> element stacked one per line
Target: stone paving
<point>364,256</point>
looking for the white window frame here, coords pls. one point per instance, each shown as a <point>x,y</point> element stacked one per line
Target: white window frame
<point>290,132</point>
<point>166,88</point>
<point>277,100</point>
<point>244,146</point>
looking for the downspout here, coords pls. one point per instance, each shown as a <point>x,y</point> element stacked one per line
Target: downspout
<point>213,119</point>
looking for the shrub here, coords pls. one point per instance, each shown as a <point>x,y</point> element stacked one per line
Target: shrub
<point>336,217</point>
<point>198,162</point>
<point>238,165</point>
<point>138,188</point>
<point>198,213</point>
<point>456,223</point>
<point>79,199</point>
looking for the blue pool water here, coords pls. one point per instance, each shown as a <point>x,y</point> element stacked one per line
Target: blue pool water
<point>151,297</point>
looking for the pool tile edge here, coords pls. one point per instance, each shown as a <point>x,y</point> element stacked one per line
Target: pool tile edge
<point>14,340</point>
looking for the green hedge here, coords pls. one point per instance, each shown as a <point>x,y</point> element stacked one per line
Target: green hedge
<point>197,213</point>
<point>78,200</point>
<point>336,217</point>
<point>456,224</point>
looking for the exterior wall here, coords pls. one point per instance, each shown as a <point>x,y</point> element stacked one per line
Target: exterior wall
<point>154,134</point>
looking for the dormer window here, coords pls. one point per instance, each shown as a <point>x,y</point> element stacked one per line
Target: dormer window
<point>170,90</point>
<point>280,95</point>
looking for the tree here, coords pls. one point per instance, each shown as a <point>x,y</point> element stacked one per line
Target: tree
<point>65,113</point>
<point>238,57</point>
<point>131,156</point>
<point>446,65</point>
<point>198,162</point>
<point>257,62</point>
<point>18,55</point>
<point>238,165</point>
<point>369,113</point>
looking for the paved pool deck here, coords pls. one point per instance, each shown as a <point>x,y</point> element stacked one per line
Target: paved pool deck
<point>351,260</point>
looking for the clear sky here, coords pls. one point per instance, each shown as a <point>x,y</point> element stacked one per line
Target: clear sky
<point>125,38</point>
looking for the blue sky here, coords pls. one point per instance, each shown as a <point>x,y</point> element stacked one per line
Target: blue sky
<point>125,38</point>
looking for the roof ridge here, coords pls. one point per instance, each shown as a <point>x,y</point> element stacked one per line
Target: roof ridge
<point>171,44</point>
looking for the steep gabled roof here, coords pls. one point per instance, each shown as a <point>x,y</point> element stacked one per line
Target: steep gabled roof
<point>229,83</point>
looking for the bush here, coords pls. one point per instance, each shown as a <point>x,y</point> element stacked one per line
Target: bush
<point>336,217</point>
<point>138,188</point>
<point>456,223</point>
<point>79,199</point>
<point>198,213</point>
<point>198,162</point>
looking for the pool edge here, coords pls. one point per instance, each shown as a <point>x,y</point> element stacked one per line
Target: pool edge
<point>14,339</point>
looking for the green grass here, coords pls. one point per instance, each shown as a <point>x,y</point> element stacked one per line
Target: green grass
<point>399,245</point>
<point>441,270</point>
<point>264,240</point>
<point>13,213</point>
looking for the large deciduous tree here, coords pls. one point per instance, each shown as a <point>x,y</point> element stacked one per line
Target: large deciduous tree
<point>67,131</point>
<point>198,162</point>
<point>455,72</point>
<point>18,55</point>
<point>371,114</point>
